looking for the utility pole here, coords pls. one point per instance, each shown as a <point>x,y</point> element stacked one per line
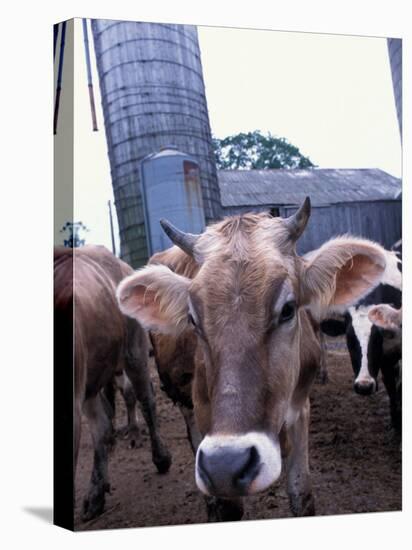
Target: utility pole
<point>111,227</point>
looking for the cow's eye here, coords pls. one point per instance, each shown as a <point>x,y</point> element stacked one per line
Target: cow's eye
<point>288,312</point>
<point>191,320</point>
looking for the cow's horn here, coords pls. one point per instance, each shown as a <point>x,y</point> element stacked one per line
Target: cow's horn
<point>185,241</point>
<point>297,222</point>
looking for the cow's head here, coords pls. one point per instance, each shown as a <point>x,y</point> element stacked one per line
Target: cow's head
<point>387,318</point>
<point>246,306</point>
<point>388,321</point>
<point>361,341</point>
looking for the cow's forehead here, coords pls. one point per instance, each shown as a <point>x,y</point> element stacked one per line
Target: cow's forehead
<point>245,261</point>
<point>245,287</point>
<point>248,237</point>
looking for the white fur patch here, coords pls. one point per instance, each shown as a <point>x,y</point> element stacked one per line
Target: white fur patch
<point>392,276</point>
<point>269,454</point>
<point>362,328</point>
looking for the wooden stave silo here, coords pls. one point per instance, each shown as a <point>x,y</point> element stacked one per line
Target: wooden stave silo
<point>153,96</point>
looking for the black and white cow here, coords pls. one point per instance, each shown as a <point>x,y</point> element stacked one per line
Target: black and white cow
<point>367,343</point>
<point>387,327</point>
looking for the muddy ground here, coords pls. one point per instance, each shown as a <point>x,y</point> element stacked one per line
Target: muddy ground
<point>355,460</point>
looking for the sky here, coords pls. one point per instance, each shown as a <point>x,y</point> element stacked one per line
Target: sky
<point>329,95</point>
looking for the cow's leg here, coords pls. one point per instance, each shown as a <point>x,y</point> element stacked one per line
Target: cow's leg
<point>131,431</point>
<point>299,485</point>
<point>222,509</point>
<point>129,397</point>
<point>323,376</point>
<point>137,370</point>
<point>192,431</point>
<point>217,509</point>
<point>101,429</point>
<point>391,381</point>
<point>109,392</point>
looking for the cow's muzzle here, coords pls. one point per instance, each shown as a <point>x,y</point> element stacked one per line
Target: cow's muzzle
<point>366,386</point>
<point>230,466</point>
<point>229,470</point>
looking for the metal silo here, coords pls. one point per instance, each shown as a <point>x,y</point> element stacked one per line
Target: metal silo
<point>153,96</point>
<point>395,58</point>
<point>170,185</point>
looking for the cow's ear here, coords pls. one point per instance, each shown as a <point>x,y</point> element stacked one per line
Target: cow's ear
<point>340,273</point>
<point>385,316</point>
<point>157,298</point>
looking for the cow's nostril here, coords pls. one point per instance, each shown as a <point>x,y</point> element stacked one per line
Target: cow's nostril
<point>247,474</point>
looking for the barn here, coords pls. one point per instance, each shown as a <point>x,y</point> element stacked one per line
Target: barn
<point>364,202</point>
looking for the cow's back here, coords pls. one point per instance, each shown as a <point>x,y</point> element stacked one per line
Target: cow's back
<point>85,285</point>
<point>115,268</point>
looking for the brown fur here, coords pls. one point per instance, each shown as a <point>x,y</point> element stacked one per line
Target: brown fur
<point>105,342</point>
<point>88,278</point>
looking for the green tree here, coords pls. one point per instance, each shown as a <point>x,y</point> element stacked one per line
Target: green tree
<point>254,150</point>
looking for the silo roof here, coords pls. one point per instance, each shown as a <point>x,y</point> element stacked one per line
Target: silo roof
<point>289,187</point>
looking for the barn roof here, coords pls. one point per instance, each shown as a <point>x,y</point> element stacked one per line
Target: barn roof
<point>289,187</point>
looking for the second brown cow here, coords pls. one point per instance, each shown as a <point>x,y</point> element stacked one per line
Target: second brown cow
<point>105,343</point>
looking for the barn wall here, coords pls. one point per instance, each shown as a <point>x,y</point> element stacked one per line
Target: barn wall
<point>233,210</point>
<point>380,221</point>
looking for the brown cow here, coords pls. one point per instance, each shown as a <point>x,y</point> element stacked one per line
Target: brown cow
<point>252,304</point>
<point>105,343</point>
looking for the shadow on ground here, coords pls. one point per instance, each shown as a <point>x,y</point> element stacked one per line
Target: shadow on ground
<point>42,512</point>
